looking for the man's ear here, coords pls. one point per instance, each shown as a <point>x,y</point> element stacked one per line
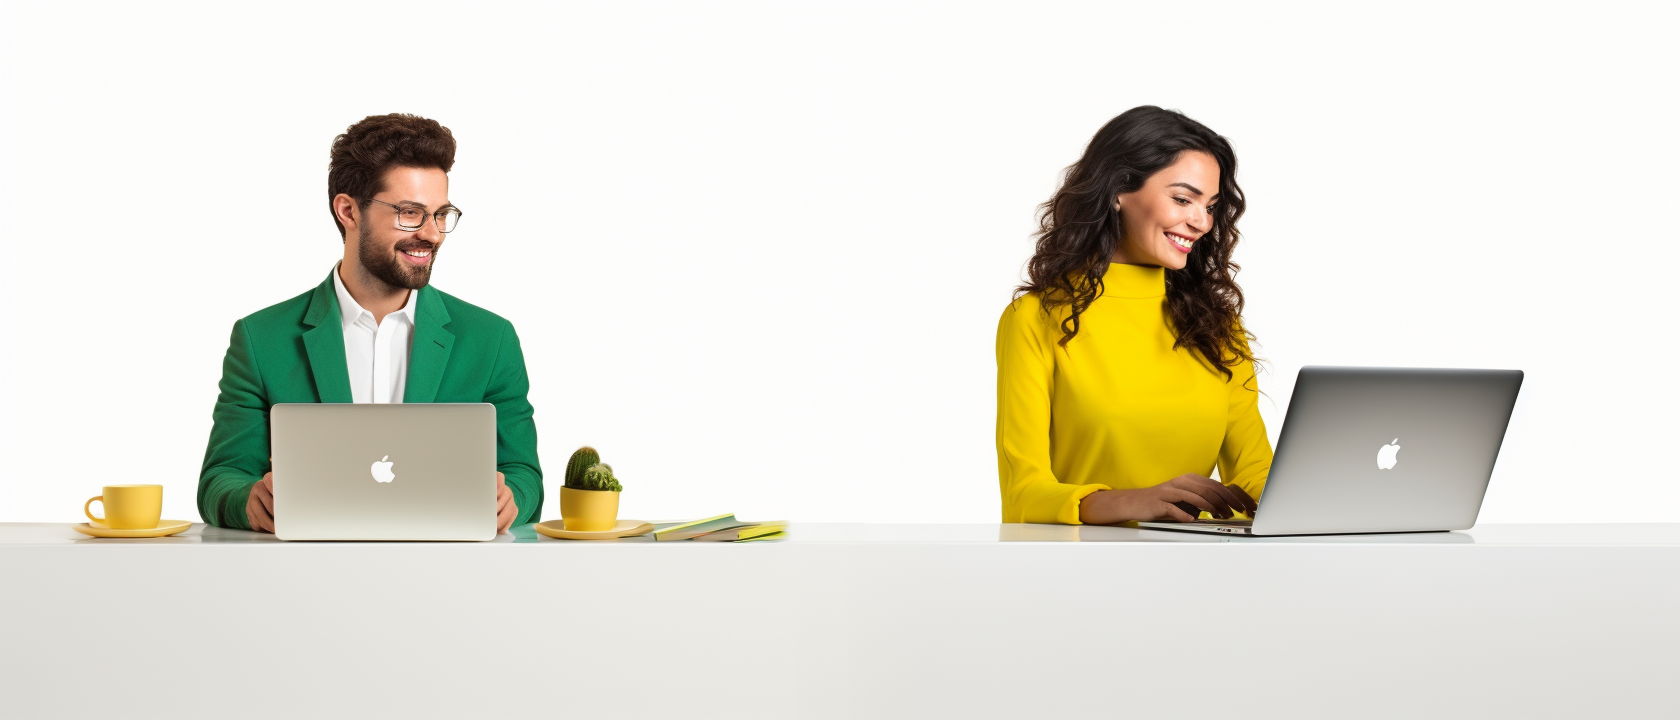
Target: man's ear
<point>348,213</point>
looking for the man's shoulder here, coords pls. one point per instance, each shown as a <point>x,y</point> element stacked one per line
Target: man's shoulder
<point>287,313</point>
<point>464,315</point>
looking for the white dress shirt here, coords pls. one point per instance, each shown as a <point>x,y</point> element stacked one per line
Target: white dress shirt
<point>375,354</point>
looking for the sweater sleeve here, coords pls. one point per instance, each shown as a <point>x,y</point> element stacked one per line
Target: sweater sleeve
<point>1026,371</point>
<point>1245,456</point>
<point>237,454</point>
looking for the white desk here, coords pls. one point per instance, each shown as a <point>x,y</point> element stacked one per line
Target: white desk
<point>847,621</point>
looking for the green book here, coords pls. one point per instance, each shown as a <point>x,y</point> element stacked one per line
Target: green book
<point>695,528</point>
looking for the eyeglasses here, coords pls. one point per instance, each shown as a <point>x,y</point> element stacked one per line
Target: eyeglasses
<point>410,217</point>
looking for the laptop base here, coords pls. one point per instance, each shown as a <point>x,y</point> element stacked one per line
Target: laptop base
<point>1245,528</point>
<point>1220,527</point>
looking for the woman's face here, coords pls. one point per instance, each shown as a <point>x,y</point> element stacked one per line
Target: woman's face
<point>1164,218</point>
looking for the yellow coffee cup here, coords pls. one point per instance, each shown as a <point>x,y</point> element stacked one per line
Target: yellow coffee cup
<point>128,507</point>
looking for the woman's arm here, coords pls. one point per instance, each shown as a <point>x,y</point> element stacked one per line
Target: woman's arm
<point>1245,456</point>
<point>1026,369</point>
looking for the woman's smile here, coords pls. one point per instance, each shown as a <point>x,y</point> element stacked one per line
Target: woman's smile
<point>1172,197</point>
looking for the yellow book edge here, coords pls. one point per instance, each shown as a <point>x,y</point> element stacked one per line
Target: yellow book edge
<point>762,531</point>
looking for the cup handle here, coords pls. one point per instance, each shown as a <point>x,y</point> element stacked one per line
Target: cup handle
<point>85,511</point>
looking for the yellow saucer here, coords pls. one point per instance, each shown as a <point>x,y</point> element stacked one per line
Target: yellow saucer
<point>165,527</point>
<point>624,528</point>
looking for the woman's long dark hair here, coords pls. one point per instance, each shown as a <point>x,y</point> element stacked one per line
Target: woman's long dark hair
<point>1079,229</point>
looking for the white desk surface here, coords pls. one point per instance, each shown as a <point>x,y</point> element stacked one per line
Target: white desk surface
<point>847,621</point>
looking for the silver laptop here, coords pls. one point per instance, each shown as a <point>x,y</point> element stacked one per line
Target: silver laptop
<point>384,472</point>
<point>1380,450</point>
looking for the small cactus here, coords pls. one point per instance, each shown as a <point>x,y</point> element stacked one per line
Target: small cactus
<point>582,460</point>
<point>598,477</point>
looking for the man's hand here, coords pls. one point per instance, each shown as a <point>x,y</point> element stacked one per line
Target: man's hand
<point>506,509</point>
<point>1166,501</point>
<point>259,507</point>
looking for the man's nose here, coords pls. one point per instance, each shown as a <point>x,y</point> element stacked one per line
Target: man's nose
<point>429,231</point>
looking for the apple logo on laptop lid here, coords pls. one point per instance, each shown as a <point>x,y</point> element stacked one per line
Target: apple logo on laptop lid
<point>382,470</point>
<point>1387,456</point>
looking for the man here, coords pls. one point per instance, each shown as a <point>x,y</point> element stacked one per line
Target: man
<point>373,331</point>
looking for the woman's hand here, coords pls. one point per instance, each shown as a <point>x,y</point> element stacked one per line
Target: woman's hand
<point>1165,501</point>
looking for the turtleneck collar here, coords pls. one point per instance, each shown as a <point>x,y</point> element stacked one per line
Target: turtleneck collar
<point>1135,281</point>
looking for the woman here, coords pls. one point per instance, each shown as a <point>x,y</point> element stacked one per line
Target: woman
<point>1124,369</point>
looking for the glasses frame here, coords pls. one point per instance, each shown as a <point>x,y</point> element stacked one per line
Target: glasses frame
<point>434,217</point>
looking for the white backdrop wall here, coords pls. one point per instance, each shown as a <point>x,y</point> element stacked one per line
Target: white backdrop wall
<point>757,252</point>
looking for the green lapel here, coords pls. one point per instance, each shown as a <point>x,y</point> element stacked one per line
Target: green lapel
<point>429,351</point>
<point>325,344</point>
<point>427,356</point>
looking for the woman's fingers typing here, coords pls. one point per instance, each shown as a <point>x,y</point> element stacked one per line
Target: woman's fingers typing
<point>1180,499</point>
<point>1180,495</point>
<point>1249,505</point>
<point>1220,501</point>
<point>1172,512</point>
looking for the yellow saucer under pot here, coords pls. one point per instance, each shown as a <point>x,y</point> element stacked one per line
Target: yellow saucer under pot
<point>621,529</point>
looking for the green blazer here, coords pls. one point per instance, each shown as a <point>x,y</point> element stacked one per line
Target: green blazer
<point>293,352</point>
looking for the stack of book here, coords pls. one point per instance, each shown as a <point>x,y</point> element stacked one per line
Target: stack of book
<point>723,528</point>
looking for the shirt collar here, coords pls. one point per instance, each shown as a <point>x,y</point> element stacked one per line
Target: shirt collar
<point>349,310</point>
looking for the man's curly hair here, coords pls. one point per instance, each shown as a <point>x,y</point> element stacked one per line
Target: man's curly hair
<point>366,150</point>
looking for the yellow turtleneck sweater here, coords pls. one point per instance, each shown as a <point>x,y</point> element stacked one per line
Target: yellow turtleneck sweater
<point>1117,408</point>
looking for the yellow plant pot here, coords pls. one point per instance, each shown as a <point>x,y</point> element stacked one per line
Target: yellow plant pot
<point>588,510</point>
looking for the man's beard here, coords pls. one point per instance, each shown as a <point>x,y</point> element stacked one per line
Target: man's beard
<point>389,269</point>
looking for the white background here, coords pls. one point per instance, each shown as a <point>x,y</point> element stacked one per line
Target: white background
<point>757,253</point>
